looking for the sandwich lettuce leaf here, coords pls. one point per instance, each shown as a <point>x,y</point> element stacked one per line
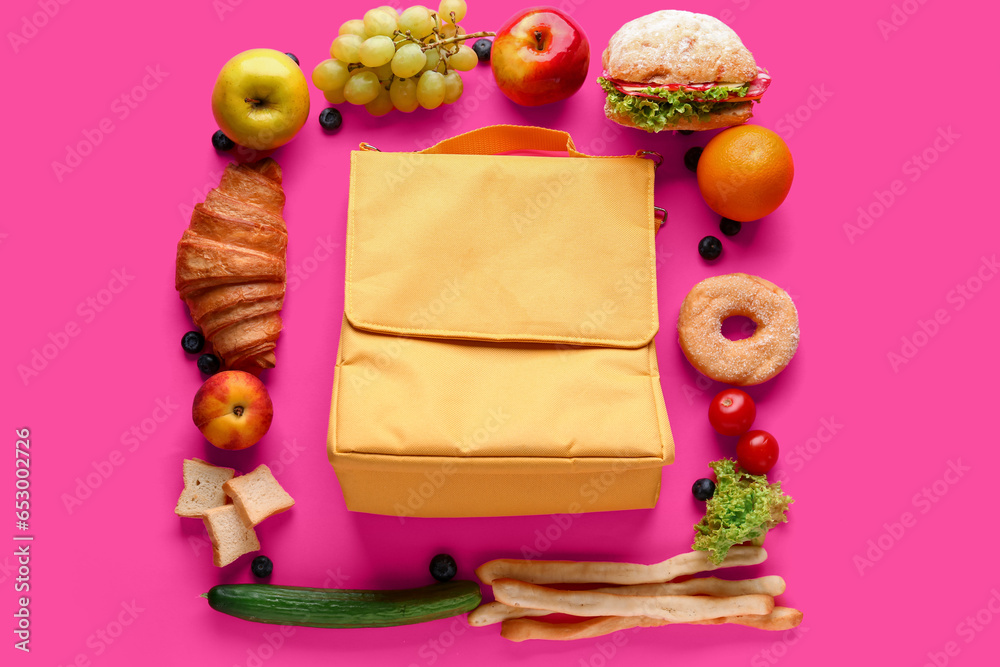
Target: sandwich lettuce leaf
<point>743,509</point>
<point>671,107</point>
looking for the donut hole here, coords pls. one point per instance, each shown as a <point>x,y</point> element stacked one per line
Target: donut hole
<point>738,327</point>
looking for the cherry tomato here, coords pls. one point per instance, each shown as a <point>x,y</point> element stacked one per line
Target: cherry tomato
<point>732,412</point>
<point>757,452</point>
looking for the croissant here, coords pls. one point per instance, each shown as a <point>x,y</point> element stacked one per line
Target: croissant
<point>231,265</point>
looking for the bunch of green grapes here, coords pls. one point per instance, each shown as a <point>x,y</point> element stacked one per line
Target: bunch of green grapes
<point>399,61</point>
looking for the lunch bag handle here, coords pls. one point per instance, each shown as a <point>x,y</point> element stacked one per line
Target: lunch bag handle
<point>505,138</point>
<point>495,139</point>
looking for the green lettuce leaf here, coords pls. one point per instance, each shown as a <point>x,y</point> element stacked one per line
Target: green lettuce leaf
<point>673,106</point>
<point>743,509</point>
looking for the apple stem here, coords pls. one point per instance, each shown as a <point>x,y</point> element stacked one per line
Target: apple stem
<point>251,100</point>
<point>538,40</point>
<point>238,411</point>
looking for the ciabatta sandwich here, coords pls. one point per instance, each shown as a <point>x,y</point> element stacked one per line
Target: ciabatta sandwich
<point>675,70</point>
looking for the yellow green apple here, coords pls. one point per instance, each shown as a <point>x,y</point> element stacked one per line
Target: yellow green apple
<point>261,99</point>
<point>232,410</point>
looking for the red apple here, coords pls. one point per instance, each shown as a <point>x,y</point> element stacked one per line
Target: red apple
<point>540,55</point>
<point>232,410</point>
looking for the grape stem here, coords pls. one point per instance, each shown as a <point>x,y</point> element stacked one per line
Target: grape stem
<point>457,38</point>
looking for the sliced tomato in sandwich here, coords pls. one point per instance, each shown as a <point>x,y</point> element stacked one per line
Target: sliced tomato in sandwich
<point>754,92</point>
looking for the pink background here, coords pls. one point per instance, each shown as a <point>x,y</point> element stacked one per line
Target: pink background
<point>877,100</point>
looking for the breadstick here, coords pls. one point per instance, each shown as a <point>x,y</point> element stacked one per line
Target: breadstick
<point>782,618</point>
<point>519,630</point>
<point>571,572</point>
<point>770,585</point>
<point>677,608</point>
<point>496,612</point>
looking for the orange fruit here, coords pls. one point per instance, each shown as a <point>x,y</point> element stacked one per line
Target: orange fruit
<point>745,172</point>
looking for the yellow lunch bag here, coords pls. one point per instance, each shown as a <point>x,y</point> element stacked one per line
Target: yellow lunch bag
<point>496,355</point>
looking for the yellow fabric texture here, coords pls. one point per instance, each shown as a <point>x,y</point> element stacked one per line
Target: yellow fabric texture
<point>496,356</point>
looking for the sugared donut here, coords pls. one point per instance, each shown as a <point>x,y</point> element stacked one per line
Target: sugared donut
<point>741,362</point>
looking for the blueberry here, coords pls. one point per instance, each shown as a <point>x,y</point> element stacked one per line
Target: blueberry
<point>330,119</point>
<point>691,158</point>
<point>730,227</point>
<point>221,142</point>
<point>482,47</point>
<point>710,247</point>
<point>209,364</point>
<point>292,56</point>
<point>443,567</point>
<point>261,567</point>
<point>192,342</point>
<point>686,132</point>
<point>703,489</point>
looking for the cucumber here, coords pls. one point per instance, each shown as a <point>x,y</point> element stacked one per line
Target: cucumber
<point>344,608</point>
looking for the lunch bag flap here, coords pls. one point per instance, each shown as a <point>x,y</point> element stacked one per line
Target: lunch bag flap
<point>512,248</point>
